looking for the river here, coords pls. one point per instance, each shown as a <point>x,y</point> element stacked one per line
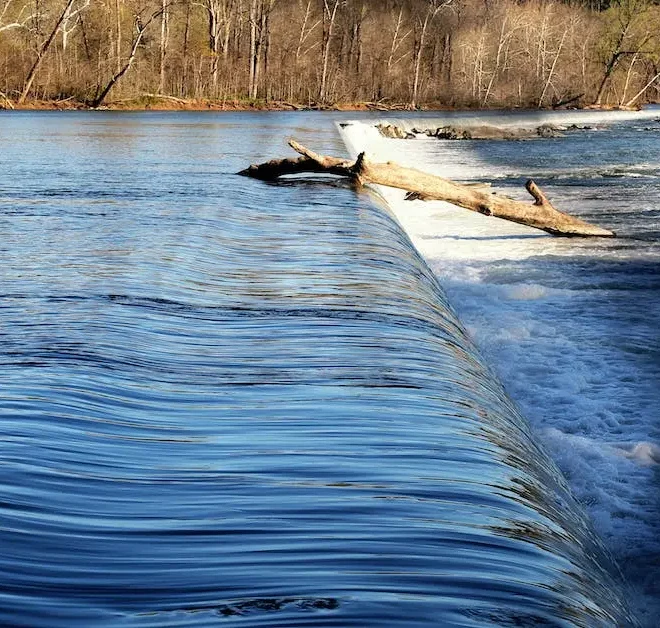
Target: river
<point>231,402</point>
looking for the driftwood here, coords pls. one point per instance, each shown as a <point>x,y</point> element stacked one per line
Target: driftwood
<point>180,101</point>
<point>8,103</point>
<point>564,102</point>
<point>421,185</point>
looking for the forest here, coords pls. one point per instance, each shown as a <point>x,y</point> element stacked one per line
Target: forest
<point>322,53</point>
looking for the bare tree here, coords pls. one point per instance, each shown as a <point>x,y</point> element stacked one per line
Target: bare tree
<point>398,40</point>
<point>552,69</point>
<point>306,30</point>
<point>213,10</point>
<point>486,53</point>
<point>42,52</point>
<point>639,94</point>
<point>433,7</point>
<point>330,8</point>
<point>508,27</point>
<point>255,45</point>
<point>164,36</point>
<point>118,33</point>
<point>140,29</point>
<point>21,20</point>
<point>71,21</point>
<point>627,14</point>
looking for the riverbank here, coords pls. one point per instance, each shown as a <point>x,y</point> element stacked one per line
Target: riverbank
<point>155,102</point>
<point>170,103</point>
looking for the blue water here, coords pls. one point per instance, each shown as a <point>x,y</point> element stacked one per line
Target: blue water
<point>226,402</point>
<point>569,324</point>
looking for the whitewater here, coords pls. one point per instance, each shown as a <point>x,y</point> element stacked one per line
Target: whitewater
<point>568,325</point>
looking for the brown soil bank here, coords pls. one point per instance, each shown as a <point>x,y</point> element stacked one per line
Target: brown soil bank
<point>170,103</point>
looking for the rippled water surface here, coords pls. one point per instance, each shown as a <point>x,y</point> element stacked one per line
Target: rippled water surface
<point>232,403</point>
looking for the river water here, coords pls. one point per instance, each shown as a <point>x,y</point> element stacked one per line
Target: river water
<point>570,325</point>
<point>231,402</point>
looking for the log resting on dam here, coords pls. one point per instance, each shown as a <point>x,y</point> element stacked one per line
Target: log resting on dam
<point>452,501</point>
<point>540,214</point>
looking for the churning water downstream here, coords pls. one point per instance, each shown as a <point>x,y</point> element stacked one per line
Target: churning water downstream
<point>231,403</point>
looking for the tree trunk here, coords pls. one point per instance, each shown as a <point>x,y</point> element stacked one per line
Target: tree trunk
<point>184,54</point>
<point>395,40</point>
<point>432,11</point>
<point>265,34</point>
<point>331,14</point>
<point>8,103</point>
<point>609,69</point>
<point>418,63</point>
<point>552,69</point>
<point>42,52</point>
<point>141,28</point>
<point>303,30</point>
<point>254,50</point>
<point>632,101</point>
<point>612,62</point>
<point>98,101</point>
<point>118,37</point>
<point>213,11</point>
<point>540,214</point>
<point>447,59</point>
<point>164,27</point>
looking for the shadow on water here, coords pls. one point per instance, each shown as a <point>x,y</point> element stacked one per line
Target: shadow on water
<point>312,183</point>
<point>485,238</point>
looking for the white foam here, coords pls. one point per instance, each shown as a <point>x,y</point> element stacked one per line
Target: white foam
<point>646,454</point>
<point>555,345</point>
<point>524,119</point>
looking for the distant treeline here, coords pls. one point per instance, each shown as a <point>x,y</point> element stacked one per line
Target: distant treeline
<point>477,53</point>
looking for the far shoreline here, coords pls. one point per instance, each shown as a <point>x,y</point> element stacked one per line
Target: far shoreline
<point>154,102</point>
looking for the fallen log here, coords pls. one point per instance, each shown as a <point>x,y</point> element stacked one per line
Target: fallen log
<point>540,214</point>
<point>8,103</point>
<point>569,100</point>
